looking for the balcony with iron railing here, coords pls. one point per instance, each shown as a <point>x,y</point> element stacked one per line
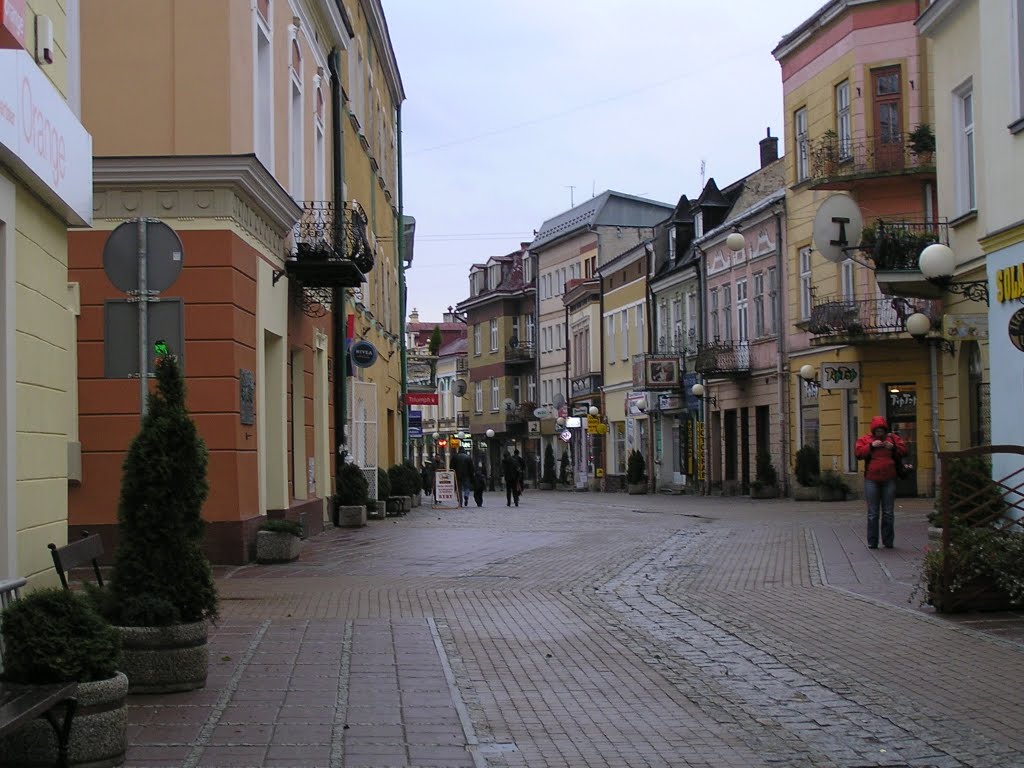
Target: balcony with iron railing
<point>330,247</point>
<point>462,364</point>
<point>520,353</point>
<point>677,344</point>
<point>581,386</point>
<point>895,247</point>
<point>734,359</point>
<point>860,321</point>
<point>835,163</point>
<point>519,413</point>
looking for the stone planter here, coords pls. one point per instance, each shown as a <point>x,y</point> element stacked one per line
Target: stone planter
<point>934,535</point>
<point>406,504</point>
<point>805,493</point>
<point>277,547</point>
<point>764,492</point>
<point>164,659</point>
<point>636,489</point>
<point>99,732</point>
<point>831,494</point>
<point>545,486</point>
<point>349,517</point>
<point>417,500</point>
<point>394,506</point>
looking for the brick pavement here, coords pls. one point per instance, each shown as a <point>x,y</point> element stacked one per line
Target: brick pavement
<point>596,630</point>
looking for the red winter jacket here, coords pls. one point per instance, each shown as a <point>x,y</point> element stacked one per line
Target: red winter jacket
<point>881,464</point>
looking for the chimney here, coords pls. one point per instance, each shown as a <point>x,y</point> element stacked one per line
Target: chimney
<point>769,149</point>
<point>414,316</point>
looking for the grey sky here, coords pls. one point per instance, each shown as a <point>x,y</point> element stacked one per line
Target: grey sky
<point>509,103</point>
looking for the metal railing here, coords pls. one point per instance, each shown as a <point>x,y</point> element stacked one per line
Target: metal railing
<point>896,246</point>
<point>829,157</point>
<point>523,353</point>
<point>326,232</point>
<point>723,358</point>
<point>461,364</point>
<point>835,316</point>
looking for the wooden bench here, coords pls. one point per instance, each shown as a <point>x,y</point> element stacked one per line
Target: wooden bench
<point>21,704</point>
<point>87,549</point>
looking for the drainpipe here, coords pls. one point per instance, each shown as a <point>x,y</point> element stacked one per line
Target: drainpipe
<point>604,403</point>
<point>706,458</point>
<point>934,365</point>
<point>338,320</point>
<point>403,298</point>
<point>782,371</point>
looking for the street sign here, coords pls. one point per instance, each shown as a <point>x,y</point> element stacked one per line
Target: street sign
<point>566,435</point>
<point>415,424</point>
<point>420,398</point>
<point>363,354</point>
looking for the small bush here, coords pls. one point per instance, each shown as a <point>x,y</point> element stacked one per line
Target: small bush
<point>353,489</point>
<point>636,468</point>
<point>833,480</point>
<point>764,474</point>
<point>279,525</point>
<point>808,466</point>
<point>405,480</point>
<point>549,466</point>
<point>383,483</point>
<point>57,636</point>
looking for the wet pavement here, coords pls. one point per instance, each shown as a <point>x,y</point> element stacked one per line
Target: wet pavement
<point>597,630</point>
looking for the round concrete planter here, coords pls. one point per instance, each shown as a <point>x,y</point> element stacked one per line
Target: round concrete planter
<point>164,659</point>
<point>99,732</point>
<point>351,517</point>
<point>636,489</point>
<point>764,492</point>
<point>545,486</point>
<point>805,493</point>
<point>277,546</point>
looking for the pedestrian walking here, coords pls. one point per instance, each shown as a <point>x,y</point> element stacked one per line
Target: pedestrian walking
<point>463,466</point>
<point>511,468</point>
<point>427,478</point>
<point>522,469</point>
<point>882,453</point>
<point>479,484</point>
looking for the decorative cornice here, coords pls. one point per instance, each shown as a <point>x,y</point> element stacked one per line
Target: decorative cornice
<point>379,31</point>
<point>935,15</point>
<point>242,173</point>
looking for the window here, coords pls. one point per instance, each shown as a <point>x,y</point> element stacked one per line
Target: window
<point>640,339</point>
<point>356,86</point>
<point>531,388</point>
<point>851,428</point>
<point>493,276</point>
<point>671,243</point>
<point>478,401</point>
<point>527,270</point>
<point>846,279</point>
<point>517,389</point>
<point>715,332</point>
<point>624,334</point>
<point>727,312</point>
<point>677,324</point>
<point>545,335</point>
<point>477,345</point>
<point>691,317</point>
<point>494,394</point>
<point>263,103</point>
<point>610,337</point>
<point>759,305</point>
<point>741,310</point>
<point>843,127</point>
<point>515,328</point>
<point>664,328</point>
<point>494,335</point>
<point>800,132</point>
<point>619,443</point>
<point>698,224</point>
<point>531,329</point>
<point>773,301</point>
<point>296,156</point>
<point>963,137</point>
<point>319,157</point>
<point>806,292</point>
<point>809,418</point>
<point>1017,64</point>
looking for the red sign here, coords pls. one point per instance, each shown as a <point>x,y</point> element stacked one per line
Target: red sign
<point>12,23</point>
<point>421,398</point>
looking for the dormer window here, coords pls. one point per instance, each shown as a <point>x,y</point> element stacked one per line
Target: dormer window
<point>672,243</point>
<point>494,276</point>
<point>698,224</point>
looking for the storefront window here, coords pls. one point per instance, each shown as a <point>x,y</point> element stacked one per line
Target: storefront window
<point>619,435</point>
<point>809,414</point>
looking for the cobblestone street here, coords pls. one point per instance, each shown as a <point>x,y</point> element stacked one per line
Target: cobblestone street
<point>597,630</point>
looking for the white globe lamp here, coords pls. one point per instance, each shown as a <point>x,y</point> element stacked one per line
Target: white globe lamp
<point>593,410</point>
<point>560,421</point>
<point>918,324</point>
<point>490,433</point>
<point>735,242</point>
<point>697,390</point>
<point>937,261</point>
<point>807,372</point>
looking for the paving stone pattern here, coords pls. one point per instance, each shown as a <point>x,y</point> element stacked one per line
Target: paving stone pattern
<point>597,630</point>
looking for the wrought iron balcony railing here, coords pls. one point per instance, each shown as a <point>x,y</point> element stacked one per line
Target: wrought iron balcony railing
<point>852,318</point>
<point>723,358</point>
<point>523,352</point>
<point>461,364</point>
<point>585,385</point>
<point>831,158</point>
<point>331,247</point>
<point>895,246</point>
<point>462,421</point>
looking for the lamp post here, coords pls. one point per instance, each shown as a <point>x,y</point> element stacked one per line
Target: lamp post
<point>490,460</point>
<point>807,372</point>
<point>938,263</point>
<point>919,325</point>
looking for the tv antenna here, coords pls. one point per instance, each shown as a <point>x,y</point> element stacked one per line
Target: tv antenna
<point>703,168</point>
<point>571,188</point>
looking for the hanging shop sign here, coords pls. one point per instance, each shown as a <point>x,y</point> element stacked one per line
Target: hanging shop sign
<point>420,398</point>
<point>363,354</point>
<point>1016,329</point>
<point>840,375</point>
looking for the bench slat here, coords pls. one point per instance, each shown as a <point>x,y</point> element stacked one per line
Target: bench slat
<point>21,703</point>
<point>86,550</point>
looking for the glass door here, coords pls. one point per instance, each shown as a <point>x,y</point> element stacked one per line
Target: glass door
<point>901,413</point>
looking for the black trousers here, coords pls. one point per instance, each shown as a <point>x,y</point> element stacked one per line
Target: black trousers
<point>478,496</point>
<point>512,491</point>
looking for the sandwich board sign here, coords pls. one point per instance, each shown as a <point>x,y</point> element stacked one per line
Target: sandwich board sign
<point>446,494</point>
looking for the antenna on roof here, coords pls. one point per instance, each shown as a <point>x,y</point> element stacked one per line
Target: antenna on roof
<point>703,168</point>
<point>571,187</point>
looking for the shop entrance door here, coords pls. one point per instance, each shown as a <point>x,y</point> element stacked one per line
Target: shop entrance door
<point>901,413</point>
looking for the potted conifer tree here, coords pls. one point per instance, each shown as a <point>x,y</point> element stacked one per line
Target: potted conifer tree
<point>549,478</point>
<point>350,501</point>
<point>162,593</point>
<point>636,473</point>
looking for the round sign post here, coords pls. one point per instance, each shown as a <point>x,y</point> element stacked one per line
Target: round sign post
<point>363,354</point>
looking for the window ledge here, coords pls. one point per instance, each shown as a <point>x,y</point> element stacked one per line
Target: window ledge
<point>1016,126</point>
<point>964,218</point>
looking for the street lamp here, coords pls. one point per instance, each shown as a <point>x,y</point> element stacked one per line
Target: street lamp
<point>919,325</point>
<point>489,433</point>
<point>937,263</point>
<point>560,421</point>
<point>807,372</point>
<point>735,242</point>
<point>437,436</point>
<point>593,410</point>
<point>698,390</point>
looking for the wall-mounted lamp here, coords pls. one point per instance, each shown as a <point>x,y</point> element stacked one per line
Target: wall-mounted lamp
<point>560,421</point>
<point>807,372</point>
<point>735,242</point>
<point>593,410</point>
<point>698,390</point>
<point>489,433</point>
<point>938,263</point>
<point>919,325</point>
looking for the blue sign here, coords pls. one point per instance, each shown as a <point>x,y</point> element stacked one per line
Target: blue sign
<point>692,401</point>
<point>363,354</point>
<point>415,424</point>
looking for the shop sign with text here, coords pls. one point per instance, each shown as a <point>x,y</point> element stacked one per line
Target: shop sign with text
<point>840,375</point>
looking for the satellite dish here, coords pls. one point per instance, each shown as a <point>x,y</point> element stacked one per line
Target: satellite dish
<point>559,400</point>
<point>460,387</point>
<point>510,404</point>
<point>838,225</point>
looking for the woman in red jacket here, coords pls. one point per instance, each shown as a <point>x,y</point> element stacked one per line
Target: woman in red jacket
<point>879,451</point>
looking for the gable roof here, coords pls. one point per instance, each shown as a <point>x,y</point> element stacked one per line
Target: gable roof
<point>607,209</point>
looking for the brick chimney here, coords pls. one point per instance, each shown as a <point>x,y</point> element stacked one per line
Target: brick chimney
<point>769,149</point>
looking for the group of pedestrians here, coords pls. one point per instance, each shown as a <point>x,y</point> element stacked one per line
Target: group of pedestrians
<point>472,479</point>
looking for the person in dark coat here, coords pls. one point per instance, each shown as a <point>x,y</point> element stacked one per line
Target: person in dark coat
<point>427,478</point>
<point>479,485</point>
<point>462,465</point>
<point>511,469</point>
<point>879,450</point>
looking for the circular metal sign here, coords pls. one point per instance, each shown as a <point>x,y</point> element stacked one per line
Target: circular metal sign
<point>363,354</point>
<point>163,256</point>
<point>566,435</point>
<point>838,225</point>
<point>541,413</point>
<point>1016,329</point>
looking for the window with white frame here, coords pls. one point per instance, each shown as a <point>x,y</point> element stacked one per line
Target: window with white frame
<point>296,156</point>
<point>609,336</point>
<point>546,390</point>
<point>517,389</point>
<point>773,301</point>
<point>319,152</point>
<point>477,344</point>
<point>691,317</point>
<point>493,276</point>
<point>527,270</point>
<point>640,339</point>
<point>515,328</point>
<point>356,84</point>
<point>624,334</point>
<point>806,293</point>
<point>671,243</point>
<point>698,224</point>
<point>758,305</point>
<point>1017,65</point>
<point>494,335</point>
<point>844,131</point>
<point>494,394</point>
<point>846,279</point>
<point>478,399</point>
<point>664,328</point>
<point>531,329</point>
<point>677,323</point>
<point>715,329</point>
<point>741,310</point>
<point>727,312</point>
<point>531,388</point>
<point>963,141</point>
<point>802,149</point>
<point>263,76</point>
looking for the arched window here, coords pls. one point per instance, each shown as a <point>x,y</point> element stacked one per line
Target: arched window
<point>295,160</point>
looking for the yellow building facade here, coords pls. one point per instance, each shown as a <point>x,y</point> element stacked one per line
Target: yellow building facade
<point>855,85</point>
<point>45,189</point>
